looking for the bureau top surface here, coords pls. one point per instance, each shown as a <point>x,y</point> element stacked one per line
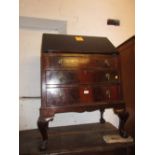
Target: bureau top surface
<point>76,44</point>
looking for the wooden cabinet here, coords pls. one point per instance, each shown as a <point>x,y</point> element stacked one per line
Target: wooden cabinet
<point>127,55</point>
<point>79,73</point>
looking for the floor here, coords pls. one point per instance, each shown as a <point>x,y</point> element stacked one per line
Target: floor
<point>74,140</point>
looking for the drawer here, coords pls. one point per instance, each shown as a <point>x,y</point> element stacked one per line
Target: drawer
<point>69,96</point>
<point>100,93</point>
<point>98,76</point>
<point>102,61</point>
<point>82,94</point>
<point>61,77</point>
<point>107,93</point>
<point>80,76</point>
<point>62,96</point>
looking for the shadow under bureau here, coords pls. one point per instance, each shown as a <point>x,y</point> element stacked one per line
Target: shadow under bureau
<point>79,73</point>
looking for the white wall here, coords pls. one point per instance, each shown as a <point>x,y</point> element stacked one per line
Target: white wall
<point>85,17</point>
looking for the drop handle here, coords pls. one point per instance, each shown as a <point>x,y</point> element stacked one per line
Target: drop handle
<point>106,62</point>
<point>116,77</point>
<point>108,93</point>
<point>107,75</point>
<point>60,61</point>
<point>60,94</point>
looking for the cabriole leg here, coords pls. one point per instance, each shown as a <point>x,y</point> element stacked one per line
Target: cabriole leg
<point>123,116</point>
<point>102,120</point>
<point>43,127</point>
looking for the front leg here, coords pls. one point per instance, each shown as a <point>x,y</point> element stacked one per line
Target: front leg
<point>43,127</point>
<point>102,120</point>
<point>123,116</point>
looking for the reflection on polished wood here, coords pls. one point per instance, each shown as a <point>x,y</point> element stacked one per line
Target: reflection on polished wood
<point>80,61</point>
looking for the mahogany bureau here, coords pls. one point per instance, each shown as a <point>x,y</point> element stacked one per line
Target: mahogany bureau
<point>79,73</point>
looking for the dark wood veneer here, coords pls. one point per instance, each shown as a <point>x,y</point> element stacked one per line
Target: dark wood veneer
<point>54,60</point>
<point>82,77</point>
<point>127,55</point>
<point>85,76</point>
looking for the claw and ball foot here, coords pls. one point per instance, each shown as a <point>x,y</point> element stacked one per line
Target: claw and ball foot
<point>43,127</point>
<point>123,116</point>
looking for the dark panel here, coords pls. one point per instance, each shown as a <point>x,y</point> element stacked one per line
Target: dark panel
<point>127,55</point>
<point>72,43</point>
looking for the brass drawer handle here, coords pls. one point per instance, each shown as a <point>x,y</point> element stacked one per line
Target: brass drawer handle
<point>107,75</point>
<point>106,62</point>
<point>116,77</point>
<point>108,93</point>
<point>60,94</point>
<point>60,61</point>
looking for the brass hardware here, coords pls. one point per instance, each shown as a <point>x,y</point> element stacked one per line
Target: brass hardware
<point>86,91</point>
<point>108,93</point>
<point>79,38</point>
<point>60,94</point>
<point>107,64</point>
<point>116,76</point>
<point>107,75</point>
<point>60,61</point>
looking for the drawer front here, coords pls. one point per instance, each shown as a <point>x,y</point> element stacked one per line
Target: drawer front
<point>97,76</point>
<point>61,77</point>
<point>103,61</point>
<point>84,94</point>
<point>109,93</point>
<point>62,96</point>
<point>80,76</point>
